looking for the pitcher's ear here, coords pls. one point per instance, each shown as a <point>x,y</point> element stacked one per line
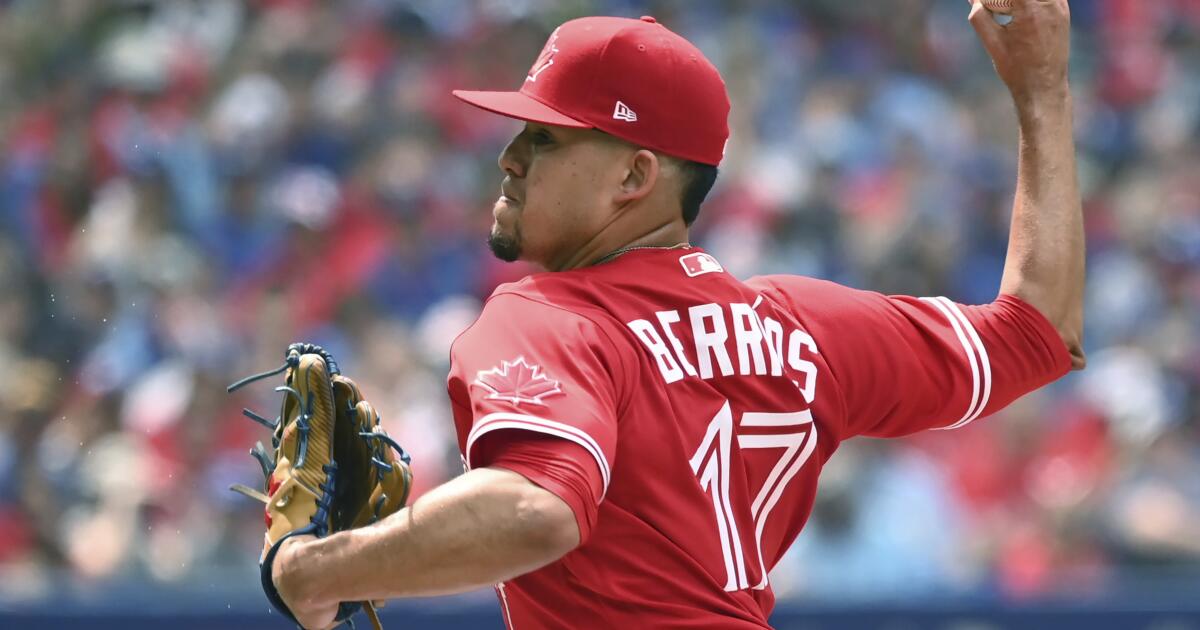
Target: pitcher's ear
<point>641,174</point>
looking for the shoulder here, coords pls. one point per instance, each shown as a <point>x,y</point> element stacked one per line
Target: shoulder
<point>816,296</point>
<point>537,312</point>
<point>793,284</point>
<point>520,328</point>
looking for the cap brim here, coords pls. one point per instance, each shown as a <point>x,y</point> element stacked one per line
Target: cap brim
<point>518,105</point>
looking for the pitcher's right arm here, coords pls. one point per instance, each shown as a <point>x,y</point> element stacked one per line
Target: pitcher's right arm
<point>1045,261</point>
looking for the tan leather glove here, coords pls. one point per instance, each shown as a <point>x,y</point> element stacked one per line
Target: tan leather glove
<point>333,467</point>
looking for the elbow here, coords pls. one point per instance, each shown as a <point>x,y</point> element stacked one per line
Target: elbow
<point>1075,348</point>
<point>1065,315</point>
<point>548,525</point>
<point>1070,329</point>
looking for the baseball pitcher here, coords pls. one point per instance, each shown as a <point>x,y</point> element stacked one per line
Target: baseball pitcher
<point>642,431</point>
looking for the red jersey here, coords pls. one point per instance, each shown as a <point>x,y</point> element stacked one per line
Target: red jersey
<point>703,409</point>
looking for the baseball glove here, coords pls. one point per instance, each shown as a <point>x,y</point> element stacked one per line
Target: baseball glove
<point>332,468</point>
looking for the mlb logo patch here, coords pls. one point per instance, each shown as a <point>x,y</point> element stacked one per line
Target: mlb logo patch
<point>699,263</point>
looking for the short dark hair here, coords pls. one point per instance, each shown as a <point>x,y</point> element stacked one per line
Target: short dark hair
<point>698,180</point>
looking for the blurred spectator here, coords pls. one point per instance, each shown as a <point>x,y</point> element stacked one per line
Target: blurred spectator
<point>186,187</point>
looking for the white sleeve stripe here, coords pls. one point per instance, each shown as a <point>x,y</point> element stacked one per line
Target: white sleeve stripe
<point>516,424</point>
<point>983,357</point>
<point>501,420</point>
<point>970,352</point>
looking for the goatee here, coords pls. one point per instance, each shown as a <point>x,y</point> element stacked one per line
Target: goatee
<point>506,248</point>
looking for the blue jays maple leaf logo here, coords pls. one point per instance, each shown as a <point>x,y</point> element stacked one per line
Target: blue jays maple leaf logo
<point>518,382</point>
<point>546,59</point>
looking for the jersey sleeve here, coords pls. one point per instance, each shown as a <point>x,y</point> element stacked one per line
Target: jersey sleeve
<point>536,369</point>
<point>905,364</point>
<point>559,466</point>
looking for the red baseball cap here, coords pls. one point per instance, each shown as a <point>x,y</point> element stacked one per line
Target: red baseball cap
<point>634,79</point>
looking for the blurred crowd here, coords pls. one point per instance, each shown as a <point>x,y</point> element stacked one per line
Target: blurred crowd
<point>188,186</point>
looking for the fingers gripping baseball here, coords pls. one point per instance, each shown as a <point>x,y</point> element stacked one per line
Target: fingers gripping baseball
<point>1030,52</point>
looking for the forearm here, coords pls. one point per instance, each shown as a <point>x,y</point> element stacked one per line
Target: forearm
<point>1045,263</point>
<point>479,529</point>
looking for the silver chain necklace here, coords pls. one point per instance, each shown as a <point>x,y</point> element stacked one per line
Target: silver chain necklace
<point>611,255</point>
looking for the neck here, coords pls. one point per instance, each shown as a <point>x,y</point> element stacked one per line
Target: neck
<point>596,249</point>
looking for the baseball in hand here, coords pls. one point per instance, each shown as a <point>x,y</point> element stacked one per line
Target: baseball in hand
<point>1001,10</point>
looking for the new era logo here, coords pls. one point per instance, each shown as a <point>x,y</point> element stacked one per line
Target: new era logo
<point>699,263</point>
<point>622,112</point>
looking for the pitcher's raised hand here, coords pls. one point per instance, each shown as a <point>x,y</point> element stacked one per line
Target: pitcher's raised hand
<point>1030,52</point>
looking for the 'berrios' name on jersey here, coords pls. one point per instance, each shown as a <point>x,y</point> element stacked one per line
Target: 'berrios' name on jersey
<point>757,342</point>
